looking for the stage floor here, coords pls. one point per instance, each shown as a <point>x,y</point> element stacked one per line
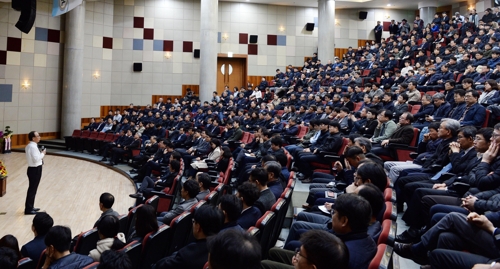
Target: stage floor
<point>69,191</point>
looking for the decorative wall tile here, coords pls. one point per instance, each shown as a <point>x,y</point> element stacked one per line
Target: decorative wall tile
<point>13,44</point>
<point>138,22</point>
<point>5,92</point>
<point>53,35</point>
<point>148,33</point>
<point>168,45</point>
<point>158,45</point>
<point>281,40</point>
<point>107,42</point>
<point>252,49</point>
<point>187,46</point>
<point>272,40</point>
<point>243,38</point>
<point>138,44</point>
<point>28,45</point>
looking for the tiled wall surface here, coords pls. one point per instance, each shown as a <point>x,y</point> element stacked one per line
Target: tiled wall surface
<point>36,59</point>
<point>121,32</point>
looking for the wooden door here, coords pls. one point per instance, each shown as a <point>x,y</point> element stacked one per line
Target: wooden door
<point>230,72</point>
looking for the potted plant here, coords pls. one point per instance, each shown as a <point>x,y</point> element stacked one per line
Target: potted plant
<point>3,179</point>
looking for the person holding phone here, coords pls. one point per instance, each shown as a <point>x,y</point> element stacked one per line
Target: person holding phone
<point>34,157</point>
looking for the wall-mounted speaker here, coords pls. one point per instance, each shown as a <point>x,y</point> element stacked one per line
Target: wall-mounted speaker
<point>362,15</point>
<point>196,53</point>
<point>137,67</point>
<point>253,39</point>
<point>28,14</point>
<point>310,26</point>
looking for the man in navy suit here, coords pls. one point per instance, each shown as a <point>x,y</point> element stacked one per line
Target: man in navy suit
<point>42,222</point>
<point>181,139</point>
<point>474,113</point>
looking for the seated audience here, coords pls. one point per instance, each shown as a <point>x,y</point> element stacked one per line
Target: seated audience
<point>109,237</point>
<point>57,254</point>
<point>233,249</point>
<point>189,190</point>
<point>42,223</point>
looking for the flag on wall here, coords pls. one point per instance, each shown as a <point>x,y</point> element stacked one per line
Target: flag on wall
<point>60,7</point>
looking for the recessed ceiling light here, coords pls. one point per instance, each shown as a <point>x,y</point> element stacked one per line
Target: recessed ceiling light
<point>389,5</point>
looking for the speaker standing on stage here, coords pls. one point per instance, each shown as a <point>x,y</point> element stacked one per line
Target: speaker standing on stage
<point>34,157</point>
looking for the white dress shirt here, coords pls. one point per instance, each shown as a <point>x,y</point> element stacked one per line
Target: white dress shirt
<point>33,155</point>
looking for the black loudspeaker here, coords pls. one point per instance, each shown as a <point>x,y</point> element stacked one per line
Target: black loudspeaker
<point>196,53</point>
<point>253,39</point>
<point>28,14</point>
<point>310,26</point>
<point>137,67</point>
<point>362,15</point>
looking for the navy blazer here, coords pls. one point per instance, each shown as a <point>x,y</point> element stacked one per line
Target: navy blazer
<point>249,217</point>
<point>475,116</point>
<point>292,130</point>
<point>34,248</point>
<point>424,110</point>
<point>442,111</point>
<point>192,256</point>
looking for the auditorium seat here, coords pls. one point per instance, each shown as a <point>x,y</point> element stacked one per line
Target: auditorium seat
<point>86,242</point>
<point>154,247</point>
<point>382,258</point>
<point>70,140</point>
<point>26,263</point>
<point>388,233</point>
<point>133,250</point>
<point>182,228</point>
<point>391,211</point>
<point>266,225</point>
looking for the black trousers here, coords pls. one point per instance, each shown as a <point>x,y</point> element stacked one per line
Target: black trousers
<point>34,176</point>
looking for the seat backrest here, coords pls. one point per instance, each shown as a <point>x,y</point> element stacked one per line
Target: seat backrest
<point>390,211</point>
<point>388,233</point>
<point>244,138</point>
<point>101,136</point>
<point>167,204</point>
<point>86,242</point>
<point>93,135</point>
<point>133,250</point>
<point>266,225</point>
<point>345,142</point>
<point>93,265</point>
<point>357,106</point>
<point>26,263</point>
<point>132,215</point>
<point>213,198</point>
<point>302,131</point>
<point>280,208</point>
<point>109,137</point>
<point>388,194</point>
<point>154,247</point>
<point>414,141</point>
<point>291,180</point>
<point>153,201</point>
<point>487,119</point>
<point>382,257</point>
<point>255,232</point>
<point>76,133</point>
<point>123,219</point>
<point>182,230</point>
<point>41,261</point>
<point>415,109</point>
<point>197,205</point>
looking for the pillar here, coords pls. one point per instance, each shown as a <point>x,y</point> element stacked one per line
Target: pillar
<point>73,71</point>
<point>208,48</point>
<point>427,9</point>
<point>326,29</point>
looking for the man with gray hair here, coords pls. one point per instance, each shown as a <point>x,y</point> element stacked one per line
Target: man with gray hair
<point>273,169</point>
<point>448,131</point>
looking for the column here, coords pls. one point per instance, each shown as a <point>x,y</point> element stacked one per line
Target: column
<point>427,9</point>
<point>73,71</point>
<point>208,48</point>
<point>326,29</point>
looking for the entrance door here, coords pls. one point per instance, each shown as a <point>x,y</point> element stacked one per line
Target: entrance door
<point>231,72</point>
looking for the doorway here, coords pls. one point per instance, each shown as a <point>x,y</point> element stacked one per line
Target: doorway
<point>231,72</point>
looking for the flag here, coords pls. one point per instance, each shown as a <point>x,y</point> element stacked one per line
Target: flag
<point>62,6</point>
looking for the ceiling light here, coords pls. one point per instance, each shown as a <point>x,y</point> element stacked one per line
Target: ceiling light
<point>389,5</point>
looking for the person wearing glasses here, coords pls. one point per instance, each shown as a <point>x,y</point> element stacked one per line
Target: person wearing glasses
<point>35,161</point>
<point>349,246</point>
<point>474,113</point>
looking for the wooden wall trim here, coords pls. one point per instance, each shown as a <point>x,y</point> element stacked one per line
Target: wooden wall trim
<point>21,140</point>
